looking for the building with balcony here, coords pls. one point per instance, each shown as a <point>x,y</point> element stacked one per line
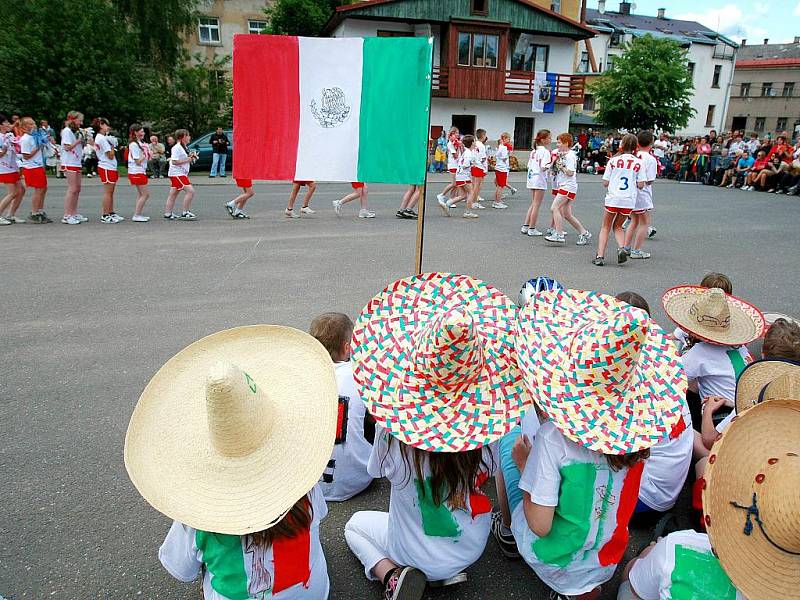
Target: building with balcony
<point>219,20</point>
<point>710,60</point>
<point>484,58</point>
<point>765,96</point>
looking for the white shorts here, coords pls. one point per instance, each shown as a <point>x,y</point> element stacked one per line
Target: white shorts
<point>536,181</point>
<point>643,203</point>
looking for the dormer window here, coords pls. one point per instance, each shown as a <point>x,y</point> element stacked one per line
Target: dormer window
<point>479,7</point>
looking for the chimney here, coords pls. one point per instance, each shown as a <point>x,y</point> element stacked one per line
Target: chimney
<point>661,13</point>
<point>624,8</point>
<point>744,42</point>
<point>766,41</point>
<point>797,39</point>
<point>601,6</point>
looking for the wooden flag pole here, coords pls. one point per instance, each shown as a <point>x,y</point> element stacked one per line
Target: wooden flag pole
<point>424,193</point>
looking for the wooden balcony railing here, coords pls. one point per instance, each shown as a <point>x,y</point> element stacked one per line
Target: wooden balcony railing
<point>569,89</point>
<point>508,85</point>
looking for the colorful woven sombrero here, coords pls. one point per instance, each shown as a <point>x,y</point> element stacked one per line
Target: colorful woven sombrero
<point>751,500</point>
<point>766,380</point>
<point>713,316</point>
<point>434,359</point>
<point>604,372</point>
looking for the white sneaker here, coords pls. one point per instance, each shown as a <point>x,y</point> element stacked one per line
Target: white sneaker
<point>555,238</point>
<point>289,213</point>
<point>4,221</point>
<point>366,214</point>
<point>524,230</point>
<point>109,218</point>
<point>499,205</point>
<point>478,205</point>
<point>337,207</point>
<point>80,218</point>
<point>16,219</point>
<point>443,204</point>
<point>441,198</point>
<point>187,215</point>
<point>513,191</point>
<point>470,215</point>
<point>549,231</point>
<point>729,186</point>
<point>584,238</point>
<point>140,219</point>
<point>70,220</point>
<point>639,254</point>
<point>533,232</point>
<point>118,217</point>
<point>480,200</point>
<point>307,210</point>
<point>170,216</point>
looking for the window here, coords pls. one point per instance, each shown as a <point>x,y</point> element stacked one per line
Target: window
<point>528,56</point>
<point>717,73</point>
<point>616,39</point>
<point>766,89</point>
<point>386,33</point>
<point>745,90</point>
<point>523,133</point>
<point>690,68</point>
<point>478,50</point>
<point>788,89</point>
<point>555,6</point>
<point>588,102</point>
<point>583,66</point>
<point>781,125</point>
<point>759,126</point>
<point>256,26</point>
<point>710,115</point>
<point>208,29</point>
<point>479,7</point>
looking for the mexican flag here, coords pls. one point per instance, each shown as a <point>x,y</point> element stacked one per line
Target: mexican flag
<point>331,109</point>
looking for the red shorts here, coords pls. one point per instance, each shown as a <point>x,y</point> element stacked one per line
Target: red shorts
<point>107,176</point>
<point>35,178</point>
<point>453,170</point>
<point>560,192</point>
<point>179,182</point>
<point>501,178</point>
<point>357,185</point>
<point>460,183</point>
<point>244,183</point>
<point>477,172</point>
<point>615,210</point>
<point>71,169</point>
<point>301,182</point>
<point>9,177</point>
<point>137,178</point>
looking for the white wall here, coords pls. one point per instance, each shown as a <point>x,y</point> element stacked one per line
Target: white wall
<point>367,28</point>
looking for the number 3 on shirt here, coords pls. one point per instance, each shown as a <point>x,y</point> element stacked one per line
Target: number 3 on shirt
<point>625,179</point>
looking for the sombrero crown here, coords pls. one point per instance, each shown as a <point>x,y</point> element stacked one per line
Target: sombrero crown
<point>766,380</point>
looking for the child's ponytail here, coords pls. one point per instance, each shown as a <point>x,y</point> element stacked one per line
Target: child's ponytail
<point>541,135</point>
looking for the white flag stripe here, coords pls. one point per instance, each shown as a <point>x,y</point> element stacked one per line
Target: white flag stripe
<point>329,153</point>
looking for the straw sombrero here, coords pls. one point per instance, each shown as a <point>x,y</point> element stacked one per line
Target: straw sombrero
<point>713,316</point>
<point>766,380</point>
<point>434,359</point>
<point>751,500</point>
<point>604,372</point>
<point>234,429</point>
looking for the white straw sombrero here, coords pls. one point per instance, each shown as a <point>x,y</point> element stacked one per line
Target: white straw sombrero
<point>234,429</point>
<point>604,372</point>
<point>766,380</point>
<point>434,359</point>
<point>751,500</point>
<point>713,316</point>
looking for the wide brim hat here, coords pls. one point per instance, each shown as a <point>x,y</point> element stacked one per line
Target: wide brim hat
<point>434,359</point>
<point>766,380</point>
<point>711,315</point>
<point>234,429</point>
<point>604,372</point>
<point>751,500</point>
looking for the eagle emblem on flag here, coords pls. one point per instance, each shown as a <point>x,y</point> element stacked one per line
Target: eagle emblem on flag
<point>332,110</point>
<point>545,91</point>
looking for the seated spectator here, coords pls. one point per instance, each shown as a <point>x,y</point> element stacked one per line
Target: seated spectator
<point>158,159</point>
<point>752,174</point>
<point>770,176</point>
<point>790,180</point>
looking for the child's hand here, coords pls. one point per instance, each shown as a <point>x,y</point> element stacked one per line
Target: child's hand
<point>713,403</point>
<point>521,451</point>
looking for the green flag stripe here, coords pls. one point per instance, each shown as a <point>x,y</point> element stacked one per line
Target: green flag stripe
<point>395,103</point>
<point>736,361</point>
<point>699,575</point>
<point>437,520</point>
<point>223,557</point>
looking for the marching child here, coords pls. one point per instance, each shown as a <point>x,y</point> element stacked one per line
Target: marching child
<point>466,160</point>
<point>235,207</point>
<point>179,162</point>
<point>71,163</point>
<point>360,192</point>
<point>31,148</point>
<point>480,166</point>
<point>639,227</point>
<point>538,167</point>
<point>211,435</point>
<point>622,180</point>
<point>346,474</point>
<point>138,156</point>
<point>9,171</point>
<point>433,449</point>
<point>501,169</point>
<point>105,146</point>
<point>454,148</point>
<point>408,203</point>
<point>305,208</point>
<point>565,189</point>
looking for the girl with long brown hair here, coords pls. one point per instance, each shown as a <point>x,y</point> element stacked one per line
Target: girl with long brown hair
<point>72,163</point>
<point>538,167</point>
<point>138,156</point>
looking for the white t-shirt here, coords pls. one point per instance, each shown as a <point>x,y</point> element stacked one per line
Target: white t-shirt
<point>135,152</point>
<point>681,565</point>
<point>438,540</point>
<point>102,145</point>
<point>660,148</point>
<point>622,173</point>
<point>482,160</point>
<point>587,539</point>
<point>465,162</point>
<point>8,162</point>
<point>452,156</point>
<point>648,174</point>
<point>178,153</point>
<point>346,474</point>
<point>300,576</point>
<point>568,182</point>
<point>27,145</point>
<point>501,159</point>
<point>538,166</point>
<point>665,471</point>
<point>715,368</point>
<point>70,158</point>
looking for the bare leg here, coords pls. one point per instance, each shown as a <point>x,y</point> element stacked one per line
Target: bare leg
<point>11,193</point>
<point>37,200</point>
<point>383,567</point>
<point>641,232</point>
<point>141,200</point>
<point>293,196</point>
<point>21,189</point>
<point>572,219</point>
<point>171,197</point>
<point>188,197</point>
<point>619,232</point>
<point>630,233</point>
<point>73,191</point>
<point>468,192</point>
<point>558,218</point>
<point>242,198</point>
<point>602,237</point>
<point>108,198</point>
<point>406,201</point>
<point>351,196</point>
<point>363,198</point>
<point>533,212</point>
<point>312,187</point>
<point>459,195</point>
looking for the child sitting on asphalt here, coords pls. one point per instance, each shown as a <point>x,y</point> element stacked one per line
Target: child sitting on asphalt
<point>346,474</point>
<point>213,443</point>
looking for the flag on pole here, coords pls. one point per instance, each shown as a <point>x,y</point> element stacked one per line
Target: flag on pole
<point>544,92</point>
<point>331,109</point>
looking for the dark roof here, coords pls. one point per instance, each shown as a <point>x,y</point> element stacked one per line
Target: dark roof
<point>689,31</point>
<point>770,51</point>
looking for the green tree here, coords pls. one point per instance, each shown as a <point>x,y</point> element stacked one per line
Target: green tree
<point>299,17</point>
<point>648,87</point>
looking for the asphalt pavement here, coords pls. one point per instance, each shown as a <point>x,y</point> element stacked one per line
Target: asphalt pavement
<point>90,312</point>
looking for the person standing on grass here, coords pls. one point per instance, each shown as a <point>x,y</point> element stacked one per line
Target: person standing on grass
<point>305,208</point>
<point>33,169</point>
<point>219,149</point>
<point>138,157</point>
<point>71,159</point>
<point>360,192</point>
<point>179,163</point>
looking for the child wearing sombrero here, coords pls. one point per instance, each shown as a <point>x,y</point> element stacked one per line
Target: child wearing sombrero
<point>214,443</point>
<point>752,514</point>
<point>610,384</point>
<point>434,359</point>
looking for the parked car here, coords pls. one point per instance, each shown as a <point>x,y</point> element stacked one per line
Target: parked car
<point>202,145</point>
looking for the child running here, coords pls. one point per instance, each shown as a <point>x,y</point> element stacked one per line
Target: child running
<point>639,227</point>
<point>463,180</point>
<point>538,166</point>
<point>454,148</point>
<point>179,163</point>
<point>138,156</point>
<point>9,171</point>
<point>408,203</point>
<point>235,207</point>
<point>305,208</point>
<point>360,192</point>
<point>622,179</point>
<point>427,351</point>
<point>565,189</point>
<point>213,444</point>
<point>501,169</point>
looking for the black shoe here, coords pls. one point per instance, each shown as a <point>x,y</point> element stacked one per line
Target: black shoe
<point>599,261</point>
<point>411,213</point>
<point>40,218</point>
<point>622,255</point>
<point>400,214</point>
<point>505,541</point>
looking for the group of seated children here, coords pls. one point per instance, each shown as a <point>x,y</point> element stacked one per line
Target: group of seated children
<point>575,402</point>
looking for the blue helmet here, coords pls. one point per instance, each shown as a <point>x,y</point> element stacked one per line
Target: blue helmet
<point>535,285</point>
